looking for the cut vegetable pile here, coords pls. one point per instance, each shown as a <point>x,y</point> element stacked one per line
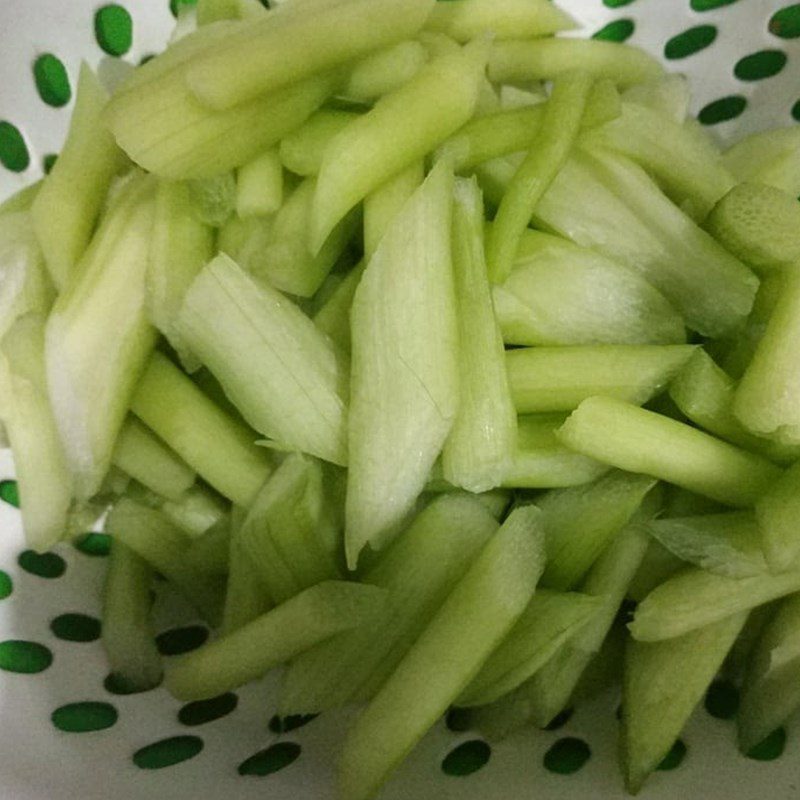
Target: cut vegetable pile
<point>414,346</point>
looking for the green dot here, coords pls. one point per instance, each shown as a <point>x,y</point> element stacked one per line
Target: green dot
<point>94,544</point>
<point>560,720</point>
<point>6,585</point>
<point>722,700</point>
<point>84,717</point>
<point>771,748</point>
<point>796,111</point>
<point>567,756</point>
<point>273,759</point>
<point>459,720</point>
<point>690,41</point>
<point>167,752</point>
<point>467,758</point>
<point>203,711</point>
<point>52,81</point>
<point>9,492</point>
<point>786,22</point>
<point>709,5</point>
<point>44,565</point>
<point>177,641</point>
<point>76,628</point>
<point>113,29</point>
<point>617,31</point>
<point>144,59</point>
<point>13,154</point>
<point>26,658</point>
<point>116,684</point>
<point>616,3</point>
<point>674,758</point>
<point>290,723</point>
<point>48,162</point>
<point>722,110</point>
<point>760,65</point>
<point>175,5</point>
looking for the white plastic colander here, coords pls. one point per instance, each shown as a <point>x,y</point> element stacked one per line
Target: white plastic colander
<point>65,734</point>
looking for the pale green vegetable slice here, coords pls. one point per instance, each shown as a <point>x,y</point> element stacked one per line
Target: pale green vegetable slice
<point>259,185</point>
<point>669,95</point>
<point>333,317</point>
<point>246,598</point>
<point>384,71</point>
<point>771,157</point>
<point>21,200</point>
<point>778,515</point>
<point>210,552</point>
<point>303,149</point>
<point>658,565</point>
<point>214,198</point>
<point>196,511</point>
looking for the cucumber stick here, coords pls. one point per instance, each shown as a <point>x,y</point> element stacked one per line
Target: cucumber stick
<point>246,598</point>
<point>196,511</point>
<point>303,149</point>
<point>474,619</point>
<point>769,157</point>
<point>259,185</point>
<point>384,71</point>
<point>333,317</point>
<point>778,515</point>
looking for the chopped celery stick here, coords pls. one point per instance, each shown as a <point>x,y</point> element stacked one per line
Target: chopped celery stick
<point>468,627</point>
<point>603,104</point>
<point>681,159</point>
<point>738,659</point>
<point>21,200</point>
<point>98,337</point>
<point>464,20</point>
<point>559,293</point>
<point>245,596</point>
<point>66,208</point>
<point>604,671</point>
<point>514,97</point>
<point>333,318</point>
<point>496,502</point>
<point>727,544</point>
<point>249,652</point>
<point>148,460</point>
<point>767,400</point>
<point>279,50</point>
<point>478,450</point>
<point>128,638</point>
<point>657,566</point>
<point>637,440</point>
<point>259,185</point>
<point>278,369</point>
<point>759,224</point>
<point>778,515</point>
<point>663,683</point>
<point>561,378</point>
<point>418,572</point>
<point>237,233</point>
<point>545,59</point>
<point>540,461</point>
<point>280,533</point>
<point>386,202</point>
<point>251,9</point>
<point>579,523</point>
<point>695,598</point>
<point>548,153</point>
<point>196,511</point>
<point>214,198</point>
<point>401,128</point>
<point>219,447</point>
<point>550,619</point>
<point>682,503</point>
<point>704,393</point>
<point>668,95</point>
<point>303,149</point>
<point>163,545</point>
<point>603,201</point>
<point>771,692</point>
<point>771,157</point>
<point>404,391</point>
<point>541,698</point>
<point>43,478</point>
<point>210,552</point>
<point>209,11</point>
<point>384,71</point>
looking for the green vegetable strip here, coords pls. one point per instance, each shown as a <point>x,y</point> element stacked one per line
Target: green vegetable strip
<point>386,202</point>
<point>546,59</point>
<point>658,565</point>
<point>548,153</point>
<point>771,157</point>
<point>272,639</point>
<point>43,478</point>
<point>214,198</point>
<point>562,294</point>
<point>259,185</point>
<point>128,637</point>
<point>277,368</point>
<point>210,552</point>
<point>603,104</point>
<point>768,398</point>
<point>148,460</point>
<point>561,378</point>
<point>418,572</point>
<point>266,55</point>
<point>98,338</point>
<point>245,596</point>
<point>605,202</point>
<point>303,149</point>
<point>333,318</point>
<point>477,451</point>
<point>179,248</point>
<point>163,545</point>
<point>669,95</point>
<point>778,514</point>
<point>21,200</point>
<point>727,544</point>
<point>663,683</point>
<point>404,377</point>
<point>196,511</point>
<point>540,461</point>
<point>695,598</point>
<point>771,692</point>
<point>219,447</point>
<point>401,129</point>
<point>637,440</point>
<point>384,71</point>
<point>66,208</point>
<point>579,523</point>
<point>209,11</point>
<point>550,619</point>
<point>473,621</point>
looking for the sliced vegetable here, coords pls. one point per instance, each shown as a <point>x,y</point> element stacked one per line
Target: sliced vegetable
<point>771,157</point>
<point>259,185</point>
<point>333,318</point>
<point>384,71</point>
<point>303,149</point>
<point>778,515</point>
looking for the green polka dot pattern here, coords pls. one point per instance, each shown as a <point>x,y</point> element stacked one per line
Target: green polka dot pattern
<point>467,758</point>
<point>13,154</point>
<point>48,162</point>
<point>175,5</point>
<point>168,752</point>
<point>771,748</point>
<point>76,628</point>
<point>617,31</point>
<point>177,641</point>
<point>760,65</point>
<point>26,658</point>
<point>709,5</point>
<point>567,756</point>
<point>786,22</point>
<point>6,585</point>
<point>722,110</point>
<point>113,29</point>
<point>616,3</point>
<point>289,723</point>
<point>8,490</point>
<point>690,42</point>
<point>116,684</point>
<point>674,758</point>
<point>459,720</point>
<point>94,544</point>
<point>273,759</point>
<point>52,81</point>
<point>44,565</point>
<point>722,700</point>
<point>84,717</point>
<point>560,720</point>
<point>203,711</point>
